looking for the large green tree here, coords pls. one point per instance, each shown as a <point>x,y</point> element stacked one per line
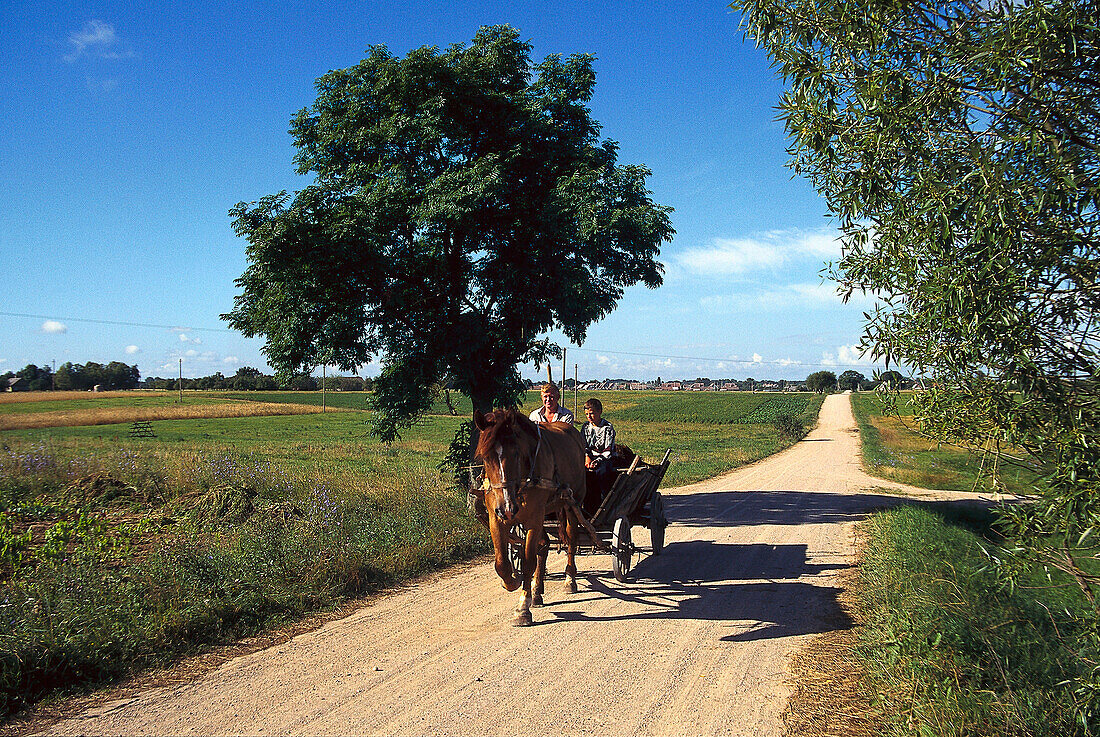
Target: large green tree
<point>821,381</point>
<point>850,379</point>
<point>463,206</point>
<point>958,144</point>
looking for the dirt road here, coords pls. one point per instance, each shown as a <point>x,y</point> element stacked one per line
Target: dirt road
<point>696,644</point>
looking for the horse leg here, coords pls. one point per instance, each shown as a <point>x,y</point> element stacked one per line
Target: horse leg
<point>540,572</point>
<point>570,528</point>
<point>522,617</point>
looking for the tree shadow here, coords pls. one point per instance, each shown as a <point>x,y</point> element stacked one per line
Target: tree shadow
<point>737,508</point>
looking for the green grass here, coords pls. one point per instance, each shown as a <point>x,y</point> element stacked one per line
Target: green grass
<point>952,650</point>
<point>118,554</point>
<point>892,449</point>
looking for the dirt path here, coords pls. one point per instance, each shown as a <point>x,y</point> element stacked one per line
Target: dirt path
<point>697,643</point>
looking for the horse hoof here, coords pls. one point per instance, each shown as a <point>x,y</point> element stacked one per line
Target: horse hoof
<point>536,601</point>
<point>571,586</point>
<point>522,619</point>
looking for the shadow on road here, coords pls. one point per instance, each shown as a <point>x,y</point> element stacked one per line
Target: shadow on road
<point>755,587</point>
<point>736,508</point>
<point>763,591</point>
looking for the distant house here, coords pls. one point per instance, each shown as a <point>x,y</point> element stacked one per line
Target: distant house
<point>15,384</point>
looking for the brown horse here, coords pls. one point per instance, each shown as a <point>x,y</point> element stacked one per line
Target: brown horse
<point>533,470</point>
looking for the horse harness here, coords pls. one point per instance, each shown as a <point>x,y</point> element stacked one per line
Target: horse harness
<point>531,480</point>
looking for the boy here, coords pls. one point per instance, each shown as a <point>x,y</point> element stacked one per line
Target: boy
<point>599,440</point>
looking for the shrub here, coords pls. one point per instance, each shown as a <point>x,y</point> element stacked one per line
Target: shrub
<point>790,425</point>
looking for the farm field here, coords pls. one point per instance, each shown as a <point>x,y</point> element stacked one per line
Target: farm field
<point>894,450</point>
<point>119,553</point>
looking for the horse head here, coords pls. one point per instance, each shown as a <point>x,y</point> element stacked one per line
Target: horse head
<point>506,446</point>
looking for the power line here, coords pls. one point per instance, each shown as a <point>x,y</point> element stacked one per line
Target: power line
<point>179,328</point>
<point>745,361</point>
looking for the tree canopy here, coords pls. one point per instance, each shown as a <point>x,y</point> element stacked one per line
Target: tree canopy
<point>821,381</point>
<point>850,379</point>
<point>463,206</point>
<point>958,145</point>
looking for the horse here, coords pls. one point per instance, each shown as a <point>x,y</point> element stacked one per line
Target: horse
<point>533,470</point>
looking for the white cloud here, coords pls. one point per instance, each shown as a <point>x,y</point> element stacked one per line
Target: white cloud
<point>730,256</point>
<point>769,250</point>
<point>109,84</point>
<point>55,327</point>
<point>757,358</point>
<point>94,35</point>
<point>603,360</point>
<point>231,360</point>
<point>97,39</point>
<point>804,295</point>
<point>185,338</point>
<point>132,349</point>
<point>847,356</point>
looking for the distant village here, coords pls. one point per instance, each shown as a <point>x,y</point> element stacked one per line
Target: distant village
<point>696,385</point>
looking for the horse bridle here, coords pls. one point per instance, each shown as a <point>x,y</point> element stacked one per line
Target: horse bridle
<point>513,495</point>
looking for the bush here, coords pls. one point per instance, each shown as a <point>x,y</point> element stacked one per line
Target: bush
<point>790,425</point>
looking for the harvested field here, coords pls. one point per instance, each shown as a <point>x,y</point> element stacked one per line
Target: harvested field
<point>19,397</point>
<point>116,415</point>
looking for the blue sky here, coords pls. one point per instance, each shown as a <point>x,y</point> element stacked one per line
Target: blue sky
<point>132,129</point>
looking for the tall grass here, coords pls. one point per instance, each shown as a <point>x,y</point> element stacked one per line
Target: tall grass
<point>953,650</point>
<point>120,560</point>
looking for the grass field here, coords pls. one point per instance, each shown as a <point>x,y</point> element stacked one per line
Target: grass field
<point>894,450</point>
<point>120,553</point>
<point>951,649</point>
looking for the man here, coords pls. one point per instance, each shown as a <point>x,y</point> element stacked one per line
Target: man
<point>551,410</point>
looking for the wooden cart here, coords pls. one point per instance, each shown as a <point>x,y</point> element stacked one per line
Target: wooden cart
<point>632,500</point>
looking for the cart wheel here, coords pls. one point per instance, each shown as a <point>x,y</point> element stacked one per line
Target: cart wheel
<point>657,523</point>
<point>622,550</point>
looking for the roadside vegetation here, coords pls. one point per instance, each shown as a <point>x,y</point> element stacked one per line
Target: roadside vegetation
<point>960,636</point>
<point>952,648</point>
<point>120,553</point>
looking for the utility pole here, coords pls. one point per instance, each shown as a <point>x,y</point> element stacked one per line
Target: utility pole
<point>181,381</point>
<point>563,370</point>
<point>324,374</point>
<point>575,390</point>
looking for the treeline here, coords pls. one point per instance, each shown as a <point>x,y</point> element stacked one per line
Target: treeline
<point>72,377</point>
<point>251,379</point>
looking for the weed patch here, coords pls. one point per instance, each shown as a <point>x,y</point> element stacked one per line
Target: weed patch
<point>122,561</point>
